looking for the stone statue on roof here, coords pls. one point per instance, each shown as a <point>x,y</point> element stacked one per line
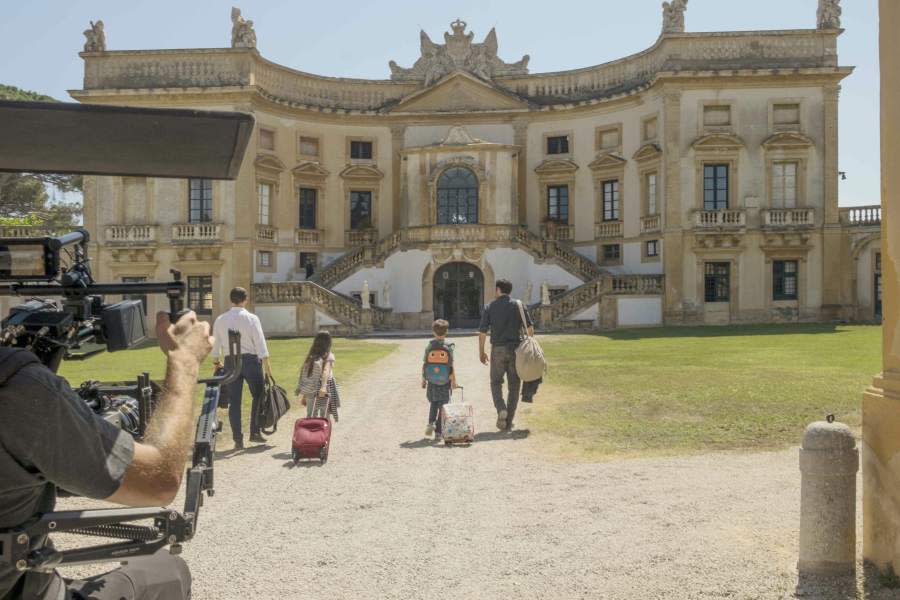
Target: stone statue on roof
<point>242,33</point>
<point>673,16</point>
<point>95,38</point>
<point>458,52</point>
<point>829,14</point>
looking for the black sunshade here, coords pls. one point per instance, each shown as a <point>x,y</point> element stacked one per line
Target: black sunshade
<point>56,137</point>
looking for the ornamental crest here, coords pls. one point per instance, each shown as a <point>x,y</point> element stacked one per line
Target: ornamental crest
<point>458,53</point>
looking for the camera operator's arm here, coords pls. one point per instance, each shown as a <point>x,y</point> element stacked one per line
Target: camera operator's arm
<point>154,475</point>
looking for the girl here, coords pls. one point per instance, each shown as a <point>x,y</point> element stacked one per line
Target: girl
<point>316,380</point>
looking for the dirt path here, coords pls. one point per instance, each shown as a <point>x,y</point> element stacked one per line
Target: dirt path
<point>394,516</point>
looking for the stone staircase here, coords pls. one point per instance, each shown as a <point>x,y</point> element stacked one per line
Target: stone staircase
<point>586,295</point>
<point>344,309</point>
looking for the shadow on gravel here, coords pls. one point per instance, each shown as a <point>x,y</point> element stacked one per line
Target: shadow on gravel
<point>303,464</point>
<point>493,436</point>
<point>226,454</point>
<point>874,584</point>
<point>423,443</point>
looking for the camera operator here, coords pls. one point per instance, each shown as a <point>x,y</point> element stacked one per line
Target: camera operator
<point>50,437</point>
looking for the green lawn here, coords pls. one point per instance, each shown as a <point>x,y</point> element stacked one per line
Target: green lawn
<point>287,354</point>
<point>661,391</point>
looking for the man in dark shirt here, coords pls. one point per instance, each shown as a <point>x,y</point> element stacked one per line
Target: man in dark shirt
<point>49,437</point>
<point>504,320</point>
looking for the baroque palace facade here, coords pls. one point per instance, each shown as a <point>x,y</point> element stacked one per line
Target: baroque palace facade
<point>694,182</point>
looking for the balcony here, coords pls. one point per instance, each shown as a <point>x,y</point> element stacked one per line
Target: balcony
<point>778,218</point>
<point>130,234</point>
<point>192,233</point>
<point>267,234</point>
<point>651,224</point>
<point>361,237</point>
<point>862,216</point>
<point>720,219</point>
<point>557,232</point>
<point>308,237</point>
<point>609,229</point>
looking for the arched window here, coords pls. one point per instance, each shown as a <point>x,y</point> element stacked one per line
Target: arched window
<point>457,197</point>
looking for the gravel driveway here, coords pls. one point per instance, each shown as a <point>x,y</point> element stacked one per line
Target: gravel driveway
<point>394,516</point>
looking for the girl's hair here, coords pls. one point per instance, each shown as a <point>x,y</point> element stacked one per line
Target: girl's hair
<point>321,348</point>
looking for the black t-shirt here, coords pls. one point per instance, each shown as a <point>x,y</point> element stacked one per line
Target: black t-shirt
<point>503,319</point>
<point>48,434</point>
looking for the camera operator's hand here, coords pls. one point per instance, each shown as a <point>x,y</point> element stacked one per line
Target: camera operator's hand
<point>188,338</point>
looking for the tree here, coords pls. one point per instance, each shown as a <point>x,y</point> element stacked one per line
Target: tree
<point>24,195</point>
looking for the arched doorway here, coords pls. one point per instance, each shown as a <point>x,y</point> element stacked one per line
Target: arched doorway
<point>458,294</point>
<point>457,197</point>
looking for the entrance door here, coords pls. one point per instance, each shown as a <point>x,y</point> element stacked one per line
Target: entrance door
<point>458,294</point>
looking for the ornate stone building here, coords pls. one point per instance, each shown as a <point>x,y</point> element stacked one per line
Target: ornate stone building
<point>694,182</point>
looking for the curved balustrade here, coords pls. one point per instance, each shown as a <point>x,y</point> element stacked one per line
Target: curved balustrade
<point>861,215</point>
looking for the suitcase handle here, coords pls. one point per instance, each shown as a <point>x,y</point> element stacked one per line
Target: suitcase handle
<point>461,395</point>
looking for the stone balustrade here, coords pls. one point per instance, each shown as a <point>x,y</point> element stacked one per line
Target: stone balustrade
<point>576,299</point>
<point>557,232</point>
<point>636,285</point>
<point>130,234</point>
<point>267,233</point>
<point>651,224</point>
<point>308,237</point>
<point>720,219</point>
<point>360,237</point>
<point>609,229</point>
<point>25,231</point>
<point>197,232</point>
<point>861,215</point>
<point>460,233</point>
<point>789,217</point>
<point>344,309</point>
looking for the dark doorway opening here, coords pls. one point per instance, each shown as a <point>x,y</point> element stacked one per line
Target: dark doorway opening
<point>458,294</point>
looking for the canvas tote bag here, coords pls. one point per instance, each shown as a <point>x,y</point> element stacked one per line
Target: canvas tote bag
<point>530,362</point>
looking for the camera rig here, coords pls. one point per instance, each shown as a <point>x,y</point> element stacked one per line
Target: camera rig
<point>57,329</point>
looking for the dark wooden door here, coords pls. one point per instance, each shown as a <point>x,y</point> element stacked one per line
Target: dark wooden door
<point>458,294</point>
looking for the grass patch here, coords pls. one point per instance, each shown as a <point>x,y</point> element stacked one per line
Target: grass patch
<point>286,356</point>
<point>675,390</point>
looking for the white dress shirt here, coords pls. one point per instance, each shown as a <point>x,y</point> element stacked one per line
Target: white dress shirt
<point>247,324</point>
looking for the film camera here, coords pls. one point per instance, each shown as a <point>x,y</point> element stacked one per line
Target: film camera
<point>64,315</point>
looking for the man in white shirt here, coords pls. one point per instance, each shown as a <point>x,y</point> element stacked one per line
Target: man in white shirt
<point>255,360</point>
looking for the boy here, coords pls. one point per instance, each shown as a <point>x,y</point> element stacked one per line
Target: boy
<point>438,376</point>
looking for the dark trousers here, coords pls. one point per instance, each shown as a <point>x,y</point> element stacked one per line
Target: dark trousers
<point>251,371</point>
<point>503,363</point>
<point>158,577</point>
<point>434,415</point>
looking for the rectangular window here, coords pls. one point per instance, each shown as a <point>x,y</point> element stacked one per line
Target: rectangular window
<point>309,146</point>
<point>784,280</point>
<point>878,262</point>
<point>200,200</point>
<point>556,291</point>
<point>612,252</point>
<point>650,186</point>
<point>608,139</point>
<point>716,116</point>
<point>558,144</point>
<point>266,139</point>
<point>361,150</point>
<point>784,185</point>
<point>141,297</point>
<point>200,294</point>
<point>786,114</point>
<point>265,258</point>
<point>307,259</point>
<point>558,203</point>
<point>652,248</point>
<point>717,283</point>
<point>715,187</point>
<point>264,192</point>
<point>650,126</point>
<point>360,210</point>
<point>611,200</point>
<point>308,199</point>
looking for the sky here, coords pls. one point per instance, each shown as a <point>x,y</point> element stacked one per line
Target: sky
<point>40,41</point>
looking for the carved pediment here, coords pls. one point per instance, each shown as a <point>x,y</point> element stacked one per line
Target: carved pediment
<point>269,162</point>
<point>607,161</point>
<point>361,172</point>
<point>556,166</point>
<point>788,140</point>
<point>647,152</point>
<point>310,170</point>
<point>715,142</point>
<point>460,92</point>
<point>459,136</point>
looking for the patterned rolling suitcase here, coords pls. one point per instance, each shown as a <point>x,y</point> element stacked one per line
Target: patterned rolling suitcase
<point>458,421</point>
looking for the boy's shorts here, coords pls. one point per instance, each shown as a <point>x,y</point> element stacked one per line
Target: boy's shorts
<point>438,393</point>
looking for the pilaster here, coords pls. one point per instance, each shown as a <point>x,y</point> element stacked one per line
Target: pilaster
<point>398,133</point>
<point>673,237</point>
<point>831,263</point>
<point>520,139</point>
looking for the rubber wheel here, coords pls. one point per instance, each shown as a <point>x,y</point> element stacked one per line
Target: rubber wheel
<point>296,456</point>
<point>323,454</point>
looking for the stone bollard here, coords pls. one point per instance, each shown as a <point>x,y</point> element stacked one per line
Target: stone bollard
<point>829,461</point>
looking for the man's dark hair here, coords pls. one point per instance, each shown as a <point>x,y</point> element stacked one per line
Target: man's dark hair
<point>238,295</point>
<point>504,285</point>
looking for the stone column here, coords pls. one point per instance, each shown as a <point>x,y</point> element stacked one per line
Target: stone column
<point>520,139</point>
<point>831,241</point>
<point>673,236</point>
<point>881,403</point>
<point>398,213</point>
